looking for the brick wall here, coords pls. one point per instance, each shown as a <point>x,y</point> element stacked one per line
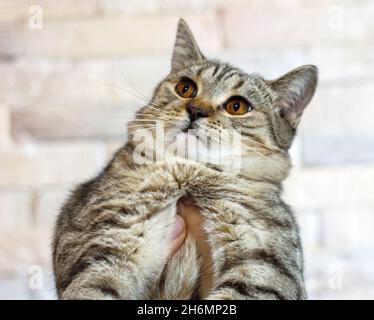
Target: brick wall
<point>64,102</point>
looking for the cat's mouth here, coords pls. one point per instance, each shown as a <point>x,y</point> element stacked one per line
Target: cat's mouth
<point>190,125</point>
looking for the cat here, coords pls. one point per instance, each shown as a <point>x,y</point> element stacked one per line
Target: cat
<point>111,236</point>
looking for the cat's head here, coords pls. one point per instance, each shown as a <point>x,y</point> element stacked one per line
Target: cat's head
<point>215,99</point>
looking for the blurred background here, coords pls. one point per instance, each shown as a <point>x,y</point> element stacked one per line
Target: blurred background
<point>66,72</point>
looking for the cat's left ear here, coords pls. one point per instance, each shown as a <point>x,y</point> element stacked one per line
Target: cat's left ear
<point>294,91</point>
<point>186,50</point>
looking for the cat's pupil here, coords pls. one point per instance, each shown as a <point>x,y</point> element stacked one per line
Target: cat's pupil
<point>185,88</point>
<point>236,106</point>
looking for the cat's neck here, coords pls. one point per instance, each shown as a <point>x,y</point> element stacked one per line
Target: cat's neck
<point>271,171</point>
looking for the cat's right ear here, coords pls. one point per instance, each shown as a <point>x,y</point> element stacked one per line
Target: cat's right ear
<point>186,50</point>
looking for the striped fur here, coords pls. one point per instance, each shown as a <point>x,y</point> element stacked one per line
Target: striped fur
<point>111,237</point>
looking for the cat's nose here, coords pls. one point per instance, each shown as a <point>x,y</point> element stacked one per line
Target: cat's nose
<point>196,112</point>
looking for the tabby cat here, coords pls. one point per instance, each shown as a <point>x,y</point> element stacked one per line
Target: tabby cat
<point>111,237</point>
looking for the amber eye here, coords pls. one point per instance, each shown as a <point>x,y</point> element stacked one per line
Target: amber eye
<point>186,88</point>
<point>237,106</point>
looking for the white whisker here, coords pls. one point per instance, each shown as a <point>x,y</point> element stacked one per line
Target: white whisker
<point>134,95</point>
<point>130,85</point>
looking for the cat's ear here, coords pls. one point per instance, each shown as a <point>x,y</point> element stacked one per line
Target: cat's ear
<point>294,91</point>
<point>186,50</point>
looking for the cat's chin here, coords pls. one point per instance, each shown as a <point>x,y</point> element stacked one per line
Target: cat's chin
<point>189,126</point>
<point>192,147</point>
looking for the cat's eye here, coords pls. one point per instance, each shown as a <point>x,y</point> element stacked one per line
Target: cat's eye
<point>237,106</point>
<point>186,88</point>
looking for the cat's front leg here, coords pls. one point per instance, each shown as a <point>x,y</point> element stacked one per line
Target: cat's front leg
<point>119,254</point>
<point>253,242</point>
<point>255,250</point>
<point>118,244</point>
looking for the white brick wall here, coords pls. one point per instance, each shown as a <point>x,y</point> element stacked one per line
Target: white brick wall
<point>94,37</point>
<point>47,164</point>
<point>15,208</point>
<point>4,126</point>
<point>64,106</point>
